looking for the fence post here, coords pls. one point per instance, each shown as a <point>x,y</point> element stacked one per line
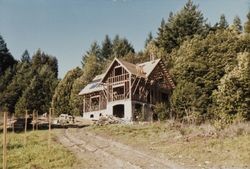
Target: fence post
<point>13,120</point>
<point>36,120</point>
<point>49,139</point>
<point>5,140</point>
<point>25,126</point>
<point>33,120</point>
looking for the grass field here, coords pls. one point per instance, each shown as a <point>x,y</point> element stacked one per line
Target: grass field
<point>35,154</point>
<point>195,146</point>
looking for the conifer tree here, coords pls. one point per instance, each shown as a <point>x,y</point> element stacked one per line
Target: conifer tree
<point>148,39</point>
<point>247,24</point>
<point>223,24</point>
<point>32,98</point>
<point>106,49</point>
<point>94,50</point>
<point>14,90</point>
<point>25,56</point>
<point>180,26</point>
<point>6,59</point>
<point>121,47</point>
<point>237,24</point>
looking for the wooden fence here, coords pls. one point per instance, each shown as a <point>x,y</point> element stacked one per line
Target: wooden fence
<point>12,124</point>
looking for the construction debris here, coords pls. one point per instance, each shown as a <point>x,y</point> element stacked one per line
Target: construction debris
<point>105,120</point>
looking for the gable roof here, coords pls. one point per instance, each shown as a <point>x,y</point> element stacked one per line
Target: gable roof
<point>149,66</point>
<point>142,70</point>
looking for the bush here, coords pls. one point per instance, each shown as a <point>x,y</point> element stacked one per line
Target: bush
<point>161,111</point>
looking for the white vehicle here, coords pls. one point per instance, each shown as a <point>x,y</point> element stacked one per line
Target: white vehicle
<point>66,118</point>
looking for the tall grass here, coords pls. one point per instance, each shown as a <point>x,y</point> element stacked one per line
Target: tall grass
<point>35,154</point>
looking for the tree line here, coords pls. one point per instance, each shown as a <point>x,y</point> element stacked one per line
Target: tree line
<point>208,63</point>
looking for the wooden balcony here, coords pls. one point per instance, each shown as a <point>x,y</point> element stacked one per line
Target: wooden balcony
<point>118,78</point>
<point>118,97</point>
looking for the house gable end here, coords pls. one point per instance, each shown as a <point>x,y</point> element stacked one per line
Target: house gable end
<point>160,73</point>
<point>113,70</point>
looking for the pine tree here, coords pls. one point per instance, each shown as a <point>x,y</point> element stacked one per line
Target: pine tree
<point>32,98</point>
<point>106,49</point>
<point>121,47</point>
<point>25,56</point>
<point>223,24</point>
<point>40,58</point>
<point>6,79</point>
<point>247,24</point>
<point>14,90</point>
<point>180,26</point>
<point>94,50</point>
<point>43,68</point>
<point>148,39</point>
<point>237,24</point>
<point>6,59</point>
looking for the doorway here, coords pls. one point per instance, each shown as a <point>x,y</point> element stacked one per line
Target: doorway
<point>118,110</point>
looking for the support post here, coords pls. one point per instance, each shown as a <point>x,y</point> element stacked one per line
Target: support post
<point>5,140</point>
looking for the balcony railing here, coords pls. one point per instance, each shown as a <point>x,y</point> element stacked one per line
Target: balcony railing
<point>94,107</point>
<point>118,97</point>
<point>118,78</point>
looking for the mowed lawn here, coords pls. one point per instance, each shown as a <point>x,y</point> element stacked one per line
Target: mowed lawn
<point>188,145</point>
<point>36,154</point>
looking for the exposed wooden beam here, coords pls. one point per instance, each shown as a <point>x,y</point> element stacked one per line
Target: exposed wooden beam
<point>137,85</point>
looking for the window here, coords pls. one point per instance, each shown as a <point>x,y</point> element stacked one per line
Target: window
<point>118,90</point>
<point>118,71</point>
<point>91,116</point>
<point>118,93</point>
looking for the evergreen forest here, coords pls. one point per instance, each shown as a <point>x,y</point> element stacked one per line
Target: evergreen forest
<point>209,64</point>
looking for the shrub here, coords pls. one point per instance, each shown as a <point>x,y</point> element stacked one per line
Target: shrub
<point>161,111</point>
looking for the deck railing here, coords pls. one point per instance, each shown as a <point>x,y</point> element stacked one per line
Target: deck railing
<point>118,78</point>
<point>118,97</point>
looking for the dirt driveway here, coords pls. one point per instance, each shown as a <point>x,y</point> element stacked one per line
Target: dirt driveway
<point>100,153</point>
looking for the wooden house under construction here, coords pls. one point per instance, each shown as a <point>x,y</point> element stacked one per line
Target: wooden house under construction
<point>128,91</point>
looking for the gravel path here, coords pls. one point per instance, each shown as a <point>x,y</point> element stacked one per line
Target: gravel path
<point>100,153</point>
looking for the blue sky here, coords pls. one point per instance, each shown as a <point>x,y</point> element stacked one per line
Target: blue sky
<point>66,28</point>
